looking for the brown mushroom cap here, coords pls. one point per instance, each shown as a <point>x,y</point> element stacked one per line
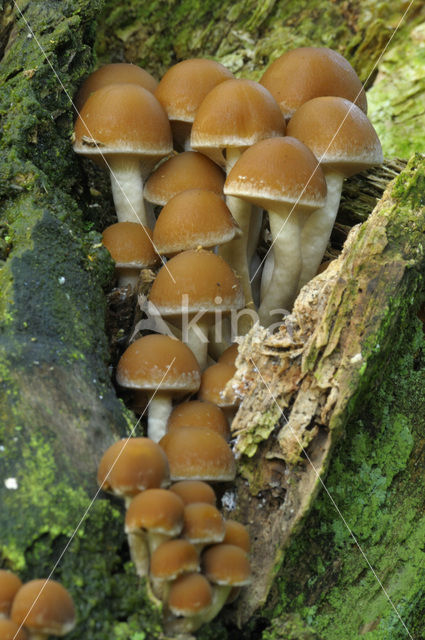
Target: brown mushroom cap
<point>130,245</point>
<point>236,533</point>
<point>227,564</point>
<point>146,364</point>
<point>340,135</point>
<point>185,85</point>
<point>204,277</point>
<point>44,606</point>
<point>172,558</point>
<point>123,118</point>
<point>9,630</point>
<point>229,355</point>
<point>9,586</point>
<point>133,465</point>
<point>189,595</point>
<point>203,523</point>
<point>278,170</point>
<point>187,170</point>
<point>213,385</point>
<point>114,73</point>
<point>191,219</point>
<point>308,72</point>
<point>204,415</point>
<point>235,114</point>
<point>194,491</point>
<point>157,511</point>
<point>198,454</point>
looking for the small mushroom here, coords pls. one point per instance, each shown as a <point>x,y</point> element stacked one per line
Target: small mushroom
<point>161,368</point>
<point>204,415</point>
<point>203,525</point>
<point>189,598</point>
<point>10,584</point>
<point>130,245</point>
<point>170,560</point>
<point>194,491</point>
<point>45,608</point>
<point>126,125</point>
<point>9,630</point>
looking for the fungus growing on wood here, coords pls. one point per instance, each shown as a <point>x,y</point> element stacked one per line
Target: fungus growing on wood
<point>187,170</point>
<point>344,141</point>
<point>309,72</point>
<point>130,245</point>
<point>170,560</point>
<point>194,491</point>
<point>192,288</point>
<point>183,88</point>
<point>198,454</point>
<point>204,415</point>
<point>45,608</point>
<point>132,465</point>
<point>283,176</point>
<point>235,115</point>
<point>191,219</point>
<point>160,368</point>
<point>9,630</point>
<point>10,584</point>
<point>114,73</point>
<point>126,125</point>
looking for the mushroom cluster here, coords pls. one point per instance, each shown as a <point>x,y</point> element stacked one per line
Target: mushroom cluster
<point>194,214</point>
<point>193,558</point>
<point>34,610</point>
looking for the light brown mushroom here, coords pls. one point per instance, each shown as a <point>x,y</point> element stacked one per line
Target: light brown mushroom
<point>204,415</point>
<point>10,584</point>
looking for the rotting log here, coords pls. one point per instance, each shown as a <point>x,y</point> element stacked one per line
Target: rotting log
<point>58,408</point>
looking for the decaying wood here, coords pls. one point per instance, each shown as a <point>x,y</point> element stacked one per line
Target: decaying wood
<point>299,385</point>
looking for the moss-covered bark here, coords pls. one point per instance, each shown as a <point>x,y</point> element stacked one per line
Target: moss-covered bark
<point>58,408</point>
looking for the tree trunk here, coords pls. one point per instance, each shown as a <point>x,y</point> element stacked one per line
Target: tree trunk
<point>333,399</point>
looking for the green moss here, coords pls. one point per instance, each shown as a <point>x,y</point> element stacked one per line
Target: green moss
<point>397,97</point>
<point>336,592</point>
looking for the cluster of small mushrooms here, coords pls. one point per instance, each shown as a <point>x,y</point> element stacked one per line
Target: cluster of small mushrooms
<point>34,610</point>
<point>282,145</point>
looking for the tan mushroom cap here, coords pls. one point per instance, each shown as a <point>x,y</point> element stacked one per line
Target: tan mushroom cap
<point>229,355</point>
<point>191,219</point>
<point>157,511</point>
<point>204,415</point>
<point>236,533</point>
<point>189,595</point>
<point>194,491</point>
<point>213,385</point>
<point>123,118</point>
<point>278,170</point>
<point>235,114</point>
<point>173,558</point>
<point>130,245</point>
<point>340,135</point>
<point>309,72</point>
<point>114,73</point>
<point>133,465</point>
<point>9,630</point>
<point>159,361</point>
<point>45,607</point>
<point>187,170</point>
<point>185,85</point>
<point>205,278</point>
<point>9,586</point>
<point>203,523</point>
<point>227,564</point>
<point>198,454</point>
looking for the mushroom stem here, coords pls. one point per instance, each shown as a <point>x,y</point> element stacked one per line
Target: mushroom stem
<point>160,407</point>
<point>139,553</point>
<point>318,228</point>
<point>127,188</point>
<point>196,337</point>
<point>281,292</point>
<point>190,624</point>
<point>36,635</point>
<point>128,276</point>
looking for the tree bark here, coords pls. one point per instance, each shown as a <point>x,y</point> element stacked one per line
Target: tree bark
<point>348,361</point>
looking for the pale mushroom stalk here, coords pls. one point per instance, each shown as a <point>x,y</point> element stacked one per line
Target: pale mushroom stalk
<point>160,407</point>
<point>318,228</point>
<point>196,338</point>
<point>127,188</point>
<point>139,552</point>
<point>281,292</point>
<point>128,276</point>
